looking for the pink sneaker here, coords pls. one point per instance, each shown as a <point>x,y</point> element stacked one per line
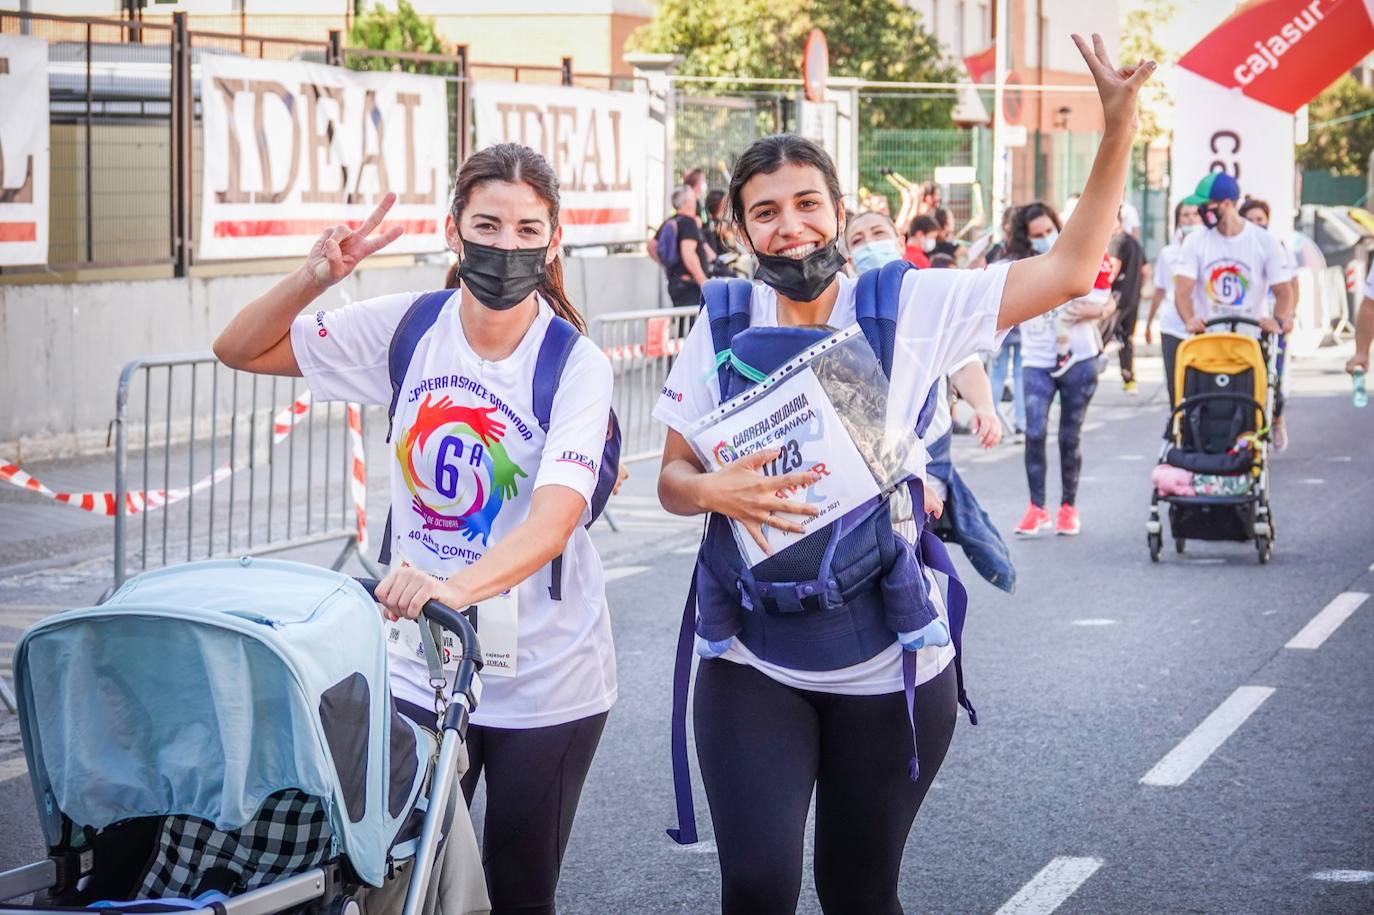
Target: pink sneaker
<point>1034,521</point>
<point>1067,523</point>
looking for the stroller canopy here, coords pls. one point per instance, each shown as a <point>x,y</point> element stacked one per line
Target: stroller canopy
<point>202,689</point>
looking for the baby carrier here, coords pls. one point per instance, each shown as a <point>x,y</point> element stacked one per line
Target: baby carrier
<point>220,737</point>
<point>1213,470</point>
<point>840,595</point>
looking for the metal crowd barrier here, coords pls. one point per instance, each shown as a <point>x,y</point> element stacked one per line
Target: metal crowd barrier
<point>211,463</point>
<point>641,346</point>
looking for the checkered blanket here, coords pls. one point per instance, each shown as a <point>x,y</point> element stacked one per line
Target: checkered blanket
<point>289,835</point>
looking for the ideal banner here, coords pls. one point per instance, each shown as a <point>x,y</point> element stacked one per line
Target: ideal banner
<point>294,148</point>
<point>23,150</point>
<point>594,141</point>
<point>1240,85</point>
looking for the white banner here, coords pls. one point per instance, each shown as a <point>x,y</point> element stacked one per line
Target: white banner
<point>23,150</point>
<point>294,148</point>
<point>595,143</point>
<point>1218,130</point>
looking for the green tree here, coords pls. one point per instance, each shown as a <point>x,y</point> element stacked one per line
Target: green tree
<point>869,39</point>
<point>1138,43</point>
<point>403,30</point>
<point>1340,146</point>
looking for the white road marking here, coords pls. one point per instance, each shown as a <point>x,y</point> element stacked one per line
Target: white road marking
<point>13,768</point>
<point>1049,889</point>
<point>1206,561</point>
<point>1320,627</point>
<point>1183,760</point>
<point>1130,457</point>
<point>1312,481</point>
<point>687,550</point>
<point>1093,622</point>
<point>1340,459</point>
<point>623,572</point>
<point>1345,876</point>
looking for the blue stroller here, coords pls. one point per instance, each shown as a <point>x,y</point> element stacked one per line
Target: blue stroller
<point>219,737</point>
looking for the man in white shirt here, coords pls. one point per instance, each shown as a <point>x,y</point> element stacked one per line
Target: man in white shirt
<point>1228,270</point>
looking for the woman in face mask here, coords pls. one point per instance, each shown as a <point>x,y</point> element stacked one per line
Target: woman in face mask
<point>487,506</point>
<point>769,735</point>
<point>1171,329</point>
<point>1059,352</point>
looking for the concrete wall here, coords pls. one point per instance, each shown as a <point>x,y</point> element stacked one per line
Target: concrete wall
<point>62,346</point>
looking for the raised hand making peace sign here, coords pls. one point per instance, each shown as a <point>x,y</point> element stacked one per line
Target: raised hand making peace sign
<point>1117,87</point>
<point>341,248</point>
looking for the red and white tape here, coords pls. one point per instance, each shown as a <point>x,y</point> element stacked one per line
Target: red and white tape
<point>103,503</point>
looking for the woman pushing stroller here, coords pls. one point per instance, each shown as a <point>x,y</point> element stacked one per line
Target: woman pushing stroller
<point>771,727</point>
<point>499,434</point>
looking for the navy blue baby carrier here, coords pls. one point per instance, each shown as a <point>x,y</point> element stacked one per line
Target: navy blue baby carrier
<point>840,595</point>
<point>554,350</point>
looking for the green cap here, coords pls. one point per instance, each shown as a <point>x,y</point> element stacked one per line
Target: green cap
<point>1216,186</point>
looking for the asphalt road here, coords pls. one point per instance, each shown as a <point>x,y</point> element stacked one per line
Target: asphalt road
<point>1102,676</point>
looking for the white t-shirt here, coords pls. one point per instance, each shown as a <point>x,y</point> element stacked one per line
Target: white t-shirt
<point>945,315</point>
<point>1232,273</point>
<point>1169,320</point>
<point>468,454</point>
<point>1039,336</point>
<point>1369,285</point>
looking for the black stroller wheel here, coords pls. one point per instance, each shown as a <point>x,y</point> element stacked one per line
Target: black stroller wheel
<point>1179,543</point>
<point>1265,547</point>
<point>1156,542</point>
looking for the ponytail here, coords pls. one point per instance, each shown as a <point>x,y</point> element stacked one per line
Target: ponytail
<point>451,280</point>
<point>551,288</point>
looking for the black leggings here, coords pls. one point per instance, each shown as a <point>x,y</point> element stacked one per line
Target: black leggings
<point>534,780</point>
<point>1075,389</point>
<point>763,747</point>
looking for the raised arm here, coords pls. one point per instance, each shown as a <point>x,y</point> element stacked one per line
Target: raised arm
<point>1037,284</point>
<point>258,338</point>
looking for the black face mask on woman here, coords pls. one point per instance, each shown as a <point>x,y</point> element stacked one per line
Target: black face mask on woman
<point>501,278</point>
<point>801,279</point>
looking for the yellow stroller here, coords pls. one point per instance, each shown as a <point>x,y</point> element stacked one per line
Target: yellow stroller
<point>1213,469</point>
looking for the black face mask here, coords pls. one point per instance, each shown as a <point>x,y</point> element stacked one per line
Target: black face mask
<point>501,278</point>
<point>804,279</point>
<point>1211,216</point>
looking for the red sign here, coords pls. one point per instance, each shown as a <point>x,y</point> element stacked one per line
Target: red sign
<point>815,66</point>
<point>656,337</point>
<point>1283,52</point>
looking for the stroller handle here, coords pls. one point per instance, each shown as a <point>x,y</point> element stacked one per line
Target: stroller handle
<point>1234,321</point>
<point>447,618</point>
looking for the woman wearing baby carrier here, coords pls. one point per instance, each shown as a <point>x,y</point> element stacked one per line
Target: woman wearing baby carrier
<point>806,685</point>
<point>500,441</point>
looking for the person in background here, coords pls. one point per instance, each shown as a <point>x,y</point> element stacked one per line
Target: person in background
<point>1008,356</point>
<point>683,259</point>
<point>695,178</point>
<point>1171,329</point>
<point>944,235</point>
<point>1130,219</point>
<point>921,240</point>
<point>1129,259</point>
<point>929,200</point>
<point>943,261</point>
<point>1257,212</point>
<point>719,236</point>
<point>1226,271</point>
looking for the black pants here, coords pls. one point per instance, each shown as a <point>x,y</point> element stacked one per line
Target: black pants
<point>763,747</point>
<point>1124,331</point>
<point>534,780</point>
<point>1075,389</point>
<point>683,291</point>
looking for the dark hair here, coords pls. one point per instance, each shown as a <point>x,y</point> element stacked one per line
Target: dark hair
<point>1018,243</point>
<point>942,217</point>
<point>929,189</point>
<point>692,176</point>
<point>769,154</point>
<point>941,259</point>
<point>1254,203</point>
<point>925,224</point>
<point>516,164</point>
<point>713,201</point>
<point>451,278</point>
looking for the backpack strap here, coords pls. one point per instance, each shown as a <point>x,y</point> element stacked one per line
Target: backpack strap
<point>727,305</point>
<point>414,324</point>
<point>554,352</point>
<point>686,831</point>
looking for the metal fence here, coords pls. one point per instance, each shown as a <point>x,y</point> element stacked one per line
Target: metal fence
<point>641,346</point>
<point>712,131</point>
<point>211,463</point>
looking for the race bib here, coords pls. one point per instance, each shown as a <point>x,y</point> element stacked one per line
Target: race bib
<point>495,620</point>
